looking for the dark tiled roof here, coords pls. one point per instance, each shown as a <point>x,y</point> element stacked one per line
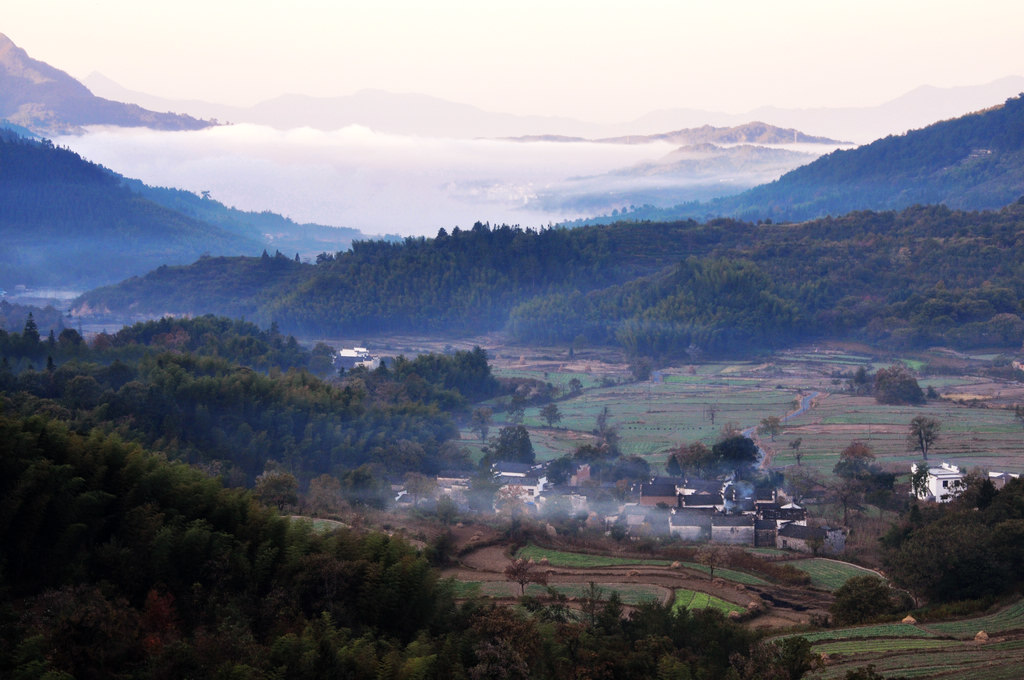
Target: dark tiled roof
<point>690,518</point>
<point>799,531</point>
<point>702,499</point>
<point>732,520</point>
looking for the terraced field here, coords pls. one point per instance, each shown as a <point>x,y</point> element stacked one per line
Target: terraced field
<point>557,558</point>
<point>927,650</point>
<point>629,593</point>
<point>1009,619</point>
<point>691,599</point>
<point>829,574</point>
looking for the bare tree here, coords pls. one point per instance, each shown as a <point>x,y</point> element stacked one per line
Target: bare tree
<point>524,571</point>
<point>771,425</point>
<point>480,421</point>
<point>711,410</point>
<point>795,445</point>
<point>711,556</point>
<point>924,431</point>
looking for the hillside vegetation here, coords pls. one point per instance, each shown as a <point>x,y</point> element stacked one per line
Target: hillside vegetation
<point>67,222</point>
<point>921,276</point>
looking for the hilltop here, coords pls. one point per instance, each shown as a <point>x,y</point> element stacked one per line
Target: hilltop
<point>974,162</point>
<point>50,102</point>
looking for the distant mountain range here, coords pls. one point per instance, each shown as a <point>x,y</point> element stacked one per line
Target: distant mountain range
<point>50,102</point>
<point>417,114</point>
<point>975,162</point>
<point>748,133</point>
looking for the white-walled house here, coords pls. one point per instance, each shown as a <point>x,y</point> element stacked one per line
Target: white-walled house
<point>942,485</point>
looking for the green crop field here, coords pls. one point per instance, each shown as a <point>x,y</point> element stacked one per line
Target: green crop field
<point>652,418</point>
<point>970,436</point>
<point>558,558</point>
<point>728,574</point>
<point>879,645</point>
<point>829,574</point>
<point>629,593</point>
<point>959,660</point>
<point>1011,618</point>
<point>886,630</point>
<point>692,599</point>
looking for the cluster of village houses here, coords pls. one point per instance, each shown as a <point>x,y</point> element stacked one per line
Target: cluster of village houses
<point>722,511</point>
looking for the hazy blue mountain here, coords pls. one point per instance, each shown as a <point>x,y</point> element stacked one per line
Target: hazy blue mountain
<point>975,162</point>
<point>70,223</point>
<point>67,222</point>
<point>48,101</point>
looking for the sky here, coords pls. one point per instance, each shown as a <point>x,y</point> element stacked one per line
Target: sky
<point>589,59</point>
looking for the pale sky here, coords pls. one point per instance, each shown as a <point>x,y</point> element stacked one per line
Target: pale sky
<point>590,59</point>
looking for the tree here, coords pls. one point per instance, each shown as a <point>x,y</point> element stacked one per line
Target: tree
<point>854,462</point>
<point>711,555</point>
<point>924,432</point>
<point>324,496</point>
<point>919,481</point>
<point>514,445</point>
<point>896,385</point>
<point>523,571</point>
<point>696,458</point>
<point>480,421</point>
<point>711,410</point>
<point>736,452</point>
<point>575,387</point>
<point>419,485</point>
<point>277,487</point>
<point>550,413</point>
<point>640,368</point>
<point>771,425</point>
<point>862,599</point>
<point>795,445</point>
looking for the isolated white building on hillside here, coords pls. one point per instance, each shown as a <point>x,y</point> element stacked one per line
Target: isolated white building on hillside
<point>355,357</point>
<point>942,485</point>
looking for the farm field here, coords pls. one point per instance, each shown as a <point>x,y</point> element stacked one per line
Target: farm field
<point>1011,618</point>
<point>651,417</point>
<point>559,558</point>
<point>629,593</point>
<point>927,650</point>
<point>829,574</point>
<point>690,599</point>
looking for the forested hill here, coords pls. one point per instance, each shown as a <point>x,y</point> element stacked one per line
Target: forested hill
<point>67,222</point>
<point>922,276</point>
<point>975,162</point>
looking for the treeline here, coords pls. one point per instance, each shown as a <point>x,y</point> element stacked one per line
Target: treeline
<point>919,277</point>
<point>188,388</point>
<point>971,548</point>
<point>118,563</point>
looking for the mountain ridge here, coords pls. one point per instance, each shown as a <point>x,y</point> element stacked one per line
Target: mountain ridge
<point>48,101</point>
<point>919,107</point>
